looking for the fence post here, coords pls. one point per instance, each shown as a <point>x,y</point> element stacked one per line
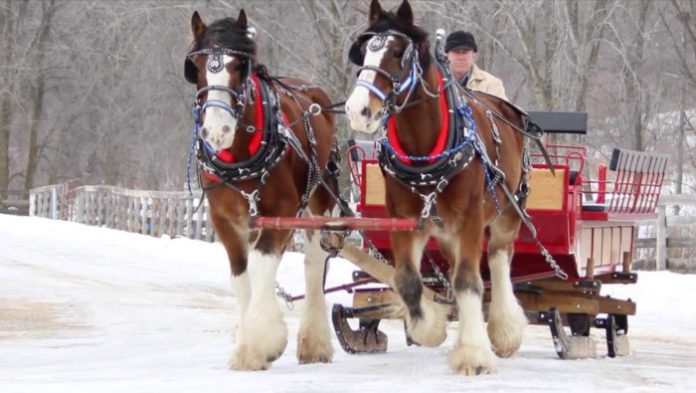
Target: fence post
<point>79,205</point>
<point>661,238</point>
<point>54,203</point>
<point>32,202</point>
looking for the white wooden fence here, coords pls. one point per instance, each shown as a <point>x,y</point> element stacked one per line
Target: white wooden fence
<point>47,201</point>
<point>154,213</point>
<point>675,235</point>
<point>158,213</point>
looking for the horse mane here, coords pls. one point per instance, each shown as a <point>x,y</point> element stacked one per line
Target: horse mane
<point>389,21</point>
<point>225,33</point>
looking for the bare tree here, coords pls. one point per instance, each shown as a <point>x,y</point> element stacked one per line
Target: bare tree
<point>48,9</point>
<point>94,89</point>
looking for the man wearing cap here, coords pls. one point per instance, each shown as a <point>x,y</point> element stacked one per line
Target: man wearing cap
<point>462,52</point>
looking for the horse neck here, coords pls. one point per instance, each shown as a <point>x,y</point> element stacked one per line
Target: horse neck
<point>418,126</point>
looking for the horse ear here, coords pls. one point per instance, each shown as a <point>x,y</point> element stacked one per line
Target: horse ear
<point>197,25</point>
<point>405,13</point>
<point>242,20</point>
<point>376,12</point>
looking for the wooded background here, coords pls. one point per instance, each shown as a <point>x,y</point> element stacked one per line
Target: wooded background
<point>94,90</point>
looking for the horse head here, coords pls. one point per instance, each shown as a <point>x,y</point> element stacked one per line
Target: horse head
<point>219,63</point>
<point>391,54</point>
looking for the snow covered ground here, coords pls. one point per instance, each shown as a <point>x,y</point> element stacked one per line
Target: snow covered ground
<point>86,309</point>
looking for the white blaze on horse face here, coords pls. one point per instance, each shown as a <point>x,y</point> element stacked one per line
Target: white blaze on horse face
<point>364,117</point>
<point>219,125</point>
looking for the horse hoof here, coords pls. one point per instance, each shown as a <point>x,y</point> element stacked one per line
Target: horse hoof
<point>244,359</point>
<point>317,351</point>
<point>466,360</point>
<point>272,358</point>
<point>429,331</point>
<point>506,333</point>
<point>315,358</point>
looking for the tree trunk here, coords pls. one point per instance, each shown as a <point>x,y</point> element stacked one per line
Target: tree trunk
<point>33,153</point>
<point>5,98</point>
<point>594,39</point>
<point>635,94</point>
<point>112,158</point>
<point>682,123</point>
<point>5,119</point>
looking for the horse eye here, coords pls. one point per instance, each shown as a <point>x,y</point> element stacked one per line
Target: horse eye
<point>398,54</point>
<point>238,66</point>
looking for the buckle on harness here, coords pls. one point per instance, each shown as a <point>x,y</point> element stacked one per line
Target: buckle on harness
<point>252,199</point>
<point>429,211</point>
<point>428,203</point>
<point>314,109</point>
<point>441,185</point>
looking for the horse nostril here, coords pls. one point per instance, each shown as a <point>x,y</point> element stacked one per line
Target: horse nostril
<point>366,112</point>
<point>204,133</point>
<point>225,129</point>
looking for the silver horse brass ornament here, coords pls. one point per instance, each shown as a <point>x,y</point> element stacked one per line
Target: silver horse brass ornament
<point>215,63</point>
<point>378,42</point>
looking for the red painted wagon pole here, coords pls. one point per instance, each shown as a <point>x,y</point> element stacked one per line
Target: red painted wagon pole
<point>336,223</point>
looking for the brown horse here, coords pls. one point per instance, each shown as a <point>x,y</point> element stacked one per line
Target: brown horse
<point>460,162</point>
<point>263,147</point>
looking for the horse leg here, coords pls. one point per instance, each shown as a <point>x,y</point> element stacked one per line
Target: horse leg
<point>234,239</point>
<point>262,336</point>
<point>472,352</point>
<point>314,336</point>
<point>506,318</point>
<point>423,323</point>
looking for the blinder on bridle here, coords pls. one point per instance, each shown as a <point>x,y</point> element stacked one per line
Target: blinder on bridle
<point>356,55</point>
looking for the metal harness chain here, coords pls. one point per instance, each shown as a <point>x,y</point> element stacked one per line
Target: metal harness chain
<point>313,172</point>
<point>441,277</point>
<point>283,294</point>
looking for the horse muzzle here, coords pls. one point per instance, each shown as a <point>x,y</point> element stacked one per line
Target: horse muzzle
<point>363,111</point>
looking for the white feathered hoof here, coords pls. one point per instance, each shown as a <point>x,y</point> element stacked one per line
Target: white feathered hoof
<point>469,360</point>
<point>260,341</point>
<point>313,349</point>
<point>506,330</point>
<point>430,330</point>
<point>246,358</point>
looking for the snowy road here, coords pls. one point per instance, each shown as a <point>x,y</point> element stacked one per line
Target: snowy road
<point>86,309</point>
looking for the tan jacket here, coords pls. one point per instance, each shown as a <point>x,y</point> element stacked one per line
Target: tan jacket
<point>485,82</point>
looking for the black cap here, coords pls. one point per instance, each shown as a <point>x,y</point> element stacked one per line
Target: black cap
<point>460,39</point>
